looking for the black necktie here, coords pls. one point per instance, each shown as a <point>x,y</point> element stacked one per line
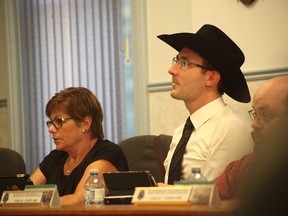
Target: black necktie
<point>176,162</point>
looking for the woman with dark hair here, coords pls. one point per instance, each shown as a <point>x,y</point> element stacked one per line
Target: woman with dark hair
<point>76,128</point>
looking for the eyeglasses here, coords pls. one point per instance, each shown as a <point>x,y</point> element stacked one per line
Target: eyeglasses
<point>185,64</point>
<point>263,118</point>
<point>57,122</point>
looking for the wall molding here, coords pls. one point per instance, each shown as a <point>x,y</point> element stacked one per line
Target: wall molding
<point>249,76</point>
<point>265,74</point>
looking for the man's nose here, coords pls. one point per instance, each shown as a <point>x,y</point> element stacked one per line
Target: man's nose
<point>173,69</point>
<point>256,124</point>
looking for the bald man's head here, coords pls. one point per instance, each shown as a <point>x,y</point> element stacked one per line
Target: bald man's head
<point>270,103</point>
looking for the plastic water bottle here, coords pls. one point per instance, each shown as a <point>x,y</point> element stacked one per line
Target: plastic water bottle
<point>94,189</point>
<point>196,175</point>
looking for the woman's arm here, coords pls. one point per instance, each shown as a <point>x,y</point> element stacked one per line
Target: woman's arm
<point>78,196</point>
<point>37,177</point>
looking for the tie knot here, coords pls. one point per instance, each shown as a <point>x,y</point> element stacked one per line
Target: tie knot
<point>188,123</point>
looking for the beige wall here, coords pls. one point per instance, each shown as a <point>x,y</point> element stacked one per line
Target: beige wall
<point>260,30</point>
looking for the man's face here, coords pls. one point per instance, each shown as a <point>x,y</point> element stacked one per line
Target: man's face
<point>188,84</point>
<point>268,104</point>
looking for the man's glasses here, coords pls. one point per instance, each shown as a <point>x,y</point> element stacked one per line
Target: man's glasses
<point>57,122</point>
<point>263,118</point>
<point>185,64</point>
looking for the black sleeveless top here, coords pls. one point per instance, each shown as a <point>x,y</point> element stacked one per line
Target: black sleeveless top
<point>53,164</point>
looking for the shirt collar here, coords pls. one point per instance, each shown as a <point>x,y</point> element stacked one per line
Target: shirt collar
<point>203,114</point>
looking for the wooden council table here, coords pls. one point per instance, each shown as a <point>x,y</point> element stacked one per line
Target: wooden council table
<point>122,210</point>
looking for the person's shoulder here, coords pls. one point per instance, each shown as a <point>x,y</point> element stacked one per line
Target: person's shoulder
<point>236,164</point>
<point>56,154</point>
<point>230,115</point>
<point>107,144</point>
<point>108,150</point>
<point>246,158</point>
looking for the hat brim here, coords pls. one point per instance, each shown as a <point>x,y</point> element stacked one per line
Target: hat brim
<point>234,81</point>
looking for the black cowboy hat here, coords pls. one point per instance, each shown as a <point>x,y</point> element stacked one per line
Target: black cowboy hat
<point>220,51</point>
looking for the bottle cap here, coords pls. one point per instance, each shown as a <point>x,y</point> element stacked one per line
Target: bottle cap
<point>94,171</point>
<point>196,167</point>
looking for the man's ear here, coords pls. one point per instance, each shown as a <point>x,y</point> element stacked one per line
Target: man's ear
<point>213,78</point>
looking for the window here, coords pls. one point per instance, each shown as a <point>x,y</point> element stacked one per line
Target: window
<point>75,43</point>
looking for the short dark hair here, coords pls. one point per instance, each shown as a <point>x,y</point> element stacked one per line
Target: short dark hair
<point>79,102</point>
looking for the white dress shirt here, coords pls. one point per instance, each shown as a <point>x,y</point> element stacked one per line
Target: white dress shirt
<point>220,137</point>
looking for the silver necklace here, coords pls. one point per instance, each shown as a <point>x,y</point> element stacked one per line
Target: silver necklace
<point>69,170</point>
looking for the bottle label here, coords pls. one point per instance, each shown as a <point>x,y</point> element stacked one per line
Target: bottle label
<point>94,196</point>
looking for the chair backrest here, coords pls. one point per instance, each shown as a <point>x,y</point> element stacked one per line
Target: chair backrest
<point>11,162</point>
<point>147,152</point>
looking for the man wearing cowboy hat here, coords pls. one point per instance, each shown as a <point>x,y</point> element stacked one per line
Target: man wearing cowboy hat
<point>207,66</point>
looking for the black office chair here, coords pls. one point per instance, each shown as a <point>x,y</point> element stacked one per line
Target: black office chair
<point>11,162</point>
<point>147,152</point>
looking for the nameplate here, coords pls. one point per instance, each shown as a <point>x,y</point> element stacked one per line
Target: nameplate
<point>162,195</point>
<point>21,198</point>
<point>33,195</point>
<point>196,194</point>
